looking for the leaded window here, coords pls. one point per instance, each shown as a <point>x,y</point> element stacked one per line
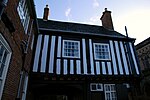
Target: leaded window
<point>101,51</point>
<point>23,12</point>
<point>110,92</point>
<point>96,87</point>
<point>5,54</point>
<point>71,48</point>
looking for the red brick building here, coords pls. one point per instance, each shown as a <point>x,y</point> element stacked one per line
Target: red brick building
<point>17,28</point>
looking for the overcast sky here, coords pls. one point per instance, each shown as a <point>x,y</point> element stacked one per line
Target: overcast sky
<point>135,14</point>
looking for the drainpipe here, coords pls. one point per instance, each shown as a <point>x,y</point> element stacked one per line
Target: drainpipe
<point>3,4</point>
<point>22,72</point>
<point>20,82</point>
<point>131,63</point>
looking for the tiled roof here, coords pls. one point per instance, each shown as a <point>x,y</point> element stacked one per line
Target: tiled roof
<point>143,43</point>
<point>77,28</point>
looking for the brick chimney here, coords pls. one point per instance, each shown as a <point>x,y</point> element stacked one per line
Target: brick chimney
<point>107,20</point>
<point>46,13</point>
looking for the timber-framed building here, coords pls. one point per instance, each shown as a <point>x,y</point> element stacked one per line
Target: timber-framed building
<point>75,61</point>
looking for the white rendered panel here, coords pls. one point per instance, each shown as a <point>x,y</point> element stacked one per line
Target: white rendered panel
<point>103,68</point>
<point>44,53</point>
<point>59,47</point>
<point>118,57</point>
<point>37,53</point>
<point>97,67</point>
<point>58,68</point>
<point>124,59</point>
<point>109,68</point>
<point>65,67</point>
<point>78,66</point>
<point>71,67</point>
<point>113,57</point>
<point>134,60</point>
<point>91,57</point>
<point>51,60</point>
<point>84,56</point>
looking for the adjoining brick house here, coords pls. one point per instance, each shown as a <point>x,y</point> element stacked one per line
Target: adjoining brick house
<point>17,29</point>
<point>143,52</point>
<point>73,61</point>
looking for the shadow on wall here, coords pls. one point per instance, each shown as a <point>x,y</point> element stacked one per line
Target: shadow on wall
<point>145,88</point>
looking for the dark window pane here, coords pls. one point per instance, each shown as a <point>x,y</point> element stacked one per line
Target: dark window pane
<point>93,87</point>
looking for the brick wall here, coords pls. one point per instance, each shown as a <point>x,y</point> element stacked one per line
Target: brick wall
<point>143,51</point>
<point>14,39</point>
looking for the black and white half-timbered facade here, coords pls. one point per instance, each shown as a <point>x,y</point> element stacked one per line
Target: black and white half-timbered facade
<point>82,62</point>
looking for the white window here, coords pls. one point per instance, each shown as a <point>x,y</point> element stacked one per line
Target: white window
<point>71,49</point>
<point>101,51</point>
<point>5,55</point>
<point>96,87</point>
<point>23,14</point>
<point>110,92</point>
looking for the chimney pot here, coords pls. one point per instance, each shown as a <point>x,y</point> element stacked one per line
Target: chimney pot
<point>107,20</point>
<point>46,13</point>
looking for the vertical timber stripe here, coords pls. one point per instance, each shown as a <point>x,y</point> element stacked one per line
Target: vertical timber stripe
<point>37,53</point>
<point>48,53</point>
<point>51,62</point>
<point>124,59</point>
<point>103,68</point>
<point>109,68</point>
<point>65,67</point>
<point>97,67</point>
<point>113,57</point>
<point>134,60</point>
<point>59,47</point>
<point>55,54</point>
<point>91,57</point>
<point>118,57</point>
<point>78,66</point>
<point>84,56</point>
<point>58,69</point>
<point>71,67</point>
<point>74,67</point>
<point>68,66</point>
<point>127,56</point>
<point>40,56</point>
<point>44,54</point>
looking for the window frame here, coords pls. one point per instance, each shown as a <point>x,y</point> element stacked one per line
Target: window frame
<point>97,89</point>
<point>23,12</point>
<point>7,62</point>
<point>105,44</point>
<point>110,91</point>
<point>63,51</point>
